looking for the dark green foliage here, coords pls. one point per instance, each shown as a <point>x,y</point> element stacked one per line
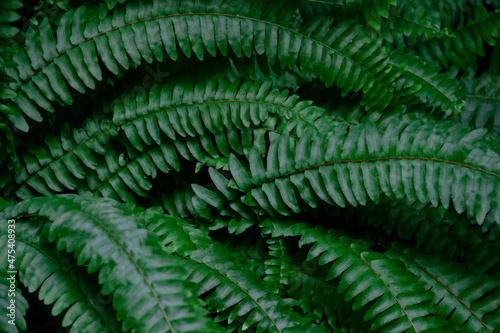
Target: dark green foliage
<point>252,166</point>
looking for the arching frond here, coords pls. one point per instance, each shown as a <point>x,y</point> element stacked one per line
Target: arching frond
<point>482,104</point>
<point>232,290</point>
<point>200,124</point>
<point>361,64</point>
<point>415,160</point>
<point>151,150</point>
<point>469,301</point>
<point>129,260</point>
<point>390,296</point>
<point>59,281</point>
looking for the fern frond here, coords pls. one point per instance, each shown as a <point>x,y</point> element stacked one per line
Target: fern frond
<point>415,22</point>
<point>390,296</point>
<point>470,301</point>
<point>113,243</point>
<point>152,125</point>
<point>58,281</point>
<point>426,82</point>
<point>467,43</point>
<point>361,63</point>
<point>433,230</point>
<point>232,286</point>
<point>482,102</point>
<point>431,163</point>
<point>21,305</point>
<point>321,298</point>
<point>231,289</point>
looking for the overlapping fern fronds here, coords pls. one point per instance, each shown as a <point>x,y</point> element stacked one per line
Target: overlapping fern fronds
<point>251,166</point>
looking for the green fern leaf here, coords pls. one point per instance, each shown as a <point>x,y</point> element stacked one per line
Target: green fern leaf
<point>340,45</point>
<point>433,230</point>
<point>436,89</point>
<point>482,102</point>
<point>60,282</point>
<point>363,165</point>
<point>463,47</point>
<point>468,300</point>
<point>231,287</point>
<point>396,302</point>
<point>135,251</point>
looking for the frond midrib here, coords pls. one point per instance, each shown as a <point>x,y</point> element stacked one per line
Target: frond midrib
<point>373,160</point>
<point>449,291</point>
<point>382,280</point>
<point>136,265</point>
<point>237,285</point>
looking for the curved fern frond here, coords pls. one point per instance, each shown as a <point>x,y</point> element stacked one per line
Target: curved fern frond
<point>425,162</point>
<point>467,41</point>
<point>60,282</point>
<point>20,305</point>
<point>482,107</point>
<point>153,124</point>
<point>433,230</point>
<point>232,290</point>
<point>390,296</point>
<point>471,302</point>
<point>426,82</point>
<point>415,22</point>
<point>359,63</point>
<point>130,261</point>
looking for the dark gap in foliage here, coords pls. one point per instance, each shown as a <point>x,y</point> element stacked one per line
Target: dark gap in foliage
<point>38,317</point>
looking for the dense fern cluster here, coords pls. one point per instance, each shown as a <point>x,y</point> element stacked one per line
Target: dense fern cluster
<point>251,166</point>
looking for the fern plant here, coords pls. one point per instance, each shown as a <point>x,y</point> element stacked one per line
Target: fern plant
<point>251,166</point>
